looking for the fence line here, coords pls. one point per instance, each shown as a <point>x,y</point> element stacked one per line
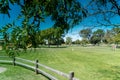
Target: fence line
<point>39,71</point>
<point>51,69</point>
<point>16,61</point>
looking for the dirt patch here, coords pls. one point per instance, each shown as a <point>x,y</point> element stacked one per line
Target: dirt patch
<point>2,69</point>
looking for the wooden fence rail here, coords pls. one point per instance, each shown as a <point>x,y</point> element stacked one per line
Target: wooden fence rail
<point>18,61</point>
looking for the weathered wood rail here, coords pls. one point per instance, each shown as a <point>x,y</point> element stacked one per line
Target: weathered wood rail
<point>34,66</point>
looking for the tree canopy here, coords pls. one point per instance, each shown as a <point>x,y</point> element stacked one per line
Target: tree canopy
<point>86,33</point>
<point>65,14</point>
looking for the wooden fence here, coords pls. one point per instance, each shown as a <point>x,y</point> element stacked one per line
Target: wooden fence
<point>34,66</point>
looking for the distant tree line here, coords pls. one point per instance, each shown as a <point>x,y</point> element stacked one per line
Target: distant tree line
<point>98,36</point>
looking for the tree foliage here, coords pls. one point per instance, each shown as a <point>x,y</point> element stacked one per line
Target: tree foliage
<point>97,36</point>
<point>68,40</point>
<point>65,14</point>
<point>109,37</point>
<point>116,32</point>
<point>52,35</point>
<point>86,33</point>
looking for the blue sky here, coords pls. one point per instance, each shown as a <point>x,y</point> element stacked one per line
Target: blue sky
<point>73,33</point>
<point>14,12</point>
<point>4,19</point>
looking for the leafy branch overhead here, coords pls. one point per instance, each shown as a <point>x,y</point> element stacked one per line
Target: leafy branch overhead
<point>64,13</point>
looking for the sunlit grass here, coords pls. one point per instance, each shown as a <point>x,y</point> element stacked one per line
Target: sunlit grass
<point>18,73</point>
<point>88,63</point>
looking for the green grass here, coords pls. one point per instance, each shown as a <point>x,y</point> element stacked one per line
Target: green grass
<point>88,63</point>
<point>18,73</point>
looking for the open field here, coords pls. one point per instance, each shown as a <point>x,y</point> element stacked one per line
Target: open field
<point>88,63</point>
<point>18,73</point>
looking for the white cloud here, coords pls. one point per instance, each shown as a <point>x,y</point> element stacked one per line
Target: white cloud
<point>73,35</point>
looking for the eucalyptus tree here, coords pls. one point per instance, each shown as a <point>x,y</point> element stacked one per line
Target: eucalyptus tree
<point>46,35</point>
<point>117,39</point>
<point>5,33</point>
<point>9,41</point>
<point>112,36</point>
<point>68,40</point>
<point>86,33</point>
<point>52,35</point>
<point>97,36</point>
<point>19,38</point>
<point>77,41</point>
<point>109,36</point>
<point>115,30</point>
<point>116,35</point>
<point>57,36</point>
<point>100,33</point>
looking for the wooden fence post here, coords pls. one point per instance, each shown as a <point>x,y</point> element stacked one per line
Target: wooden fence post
<point>14,61</point>
<point>71,75</point>
<point>36,70</point>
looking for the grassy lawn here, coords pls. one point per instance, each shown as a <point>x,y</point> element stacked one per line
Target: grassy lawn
<point>88,63</point>
<point>18,73</point>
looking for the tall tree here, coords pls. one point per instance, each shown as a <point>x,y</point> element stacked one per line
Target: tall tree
<point>52,35</point>
<point>116,33</point>
<point>109,36</point>
<point>99,33</point>
<point>97,36</point>
<point>68,40</point>
<point>116,30</point>
<point>86,33</point>
<point>117,39</point>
